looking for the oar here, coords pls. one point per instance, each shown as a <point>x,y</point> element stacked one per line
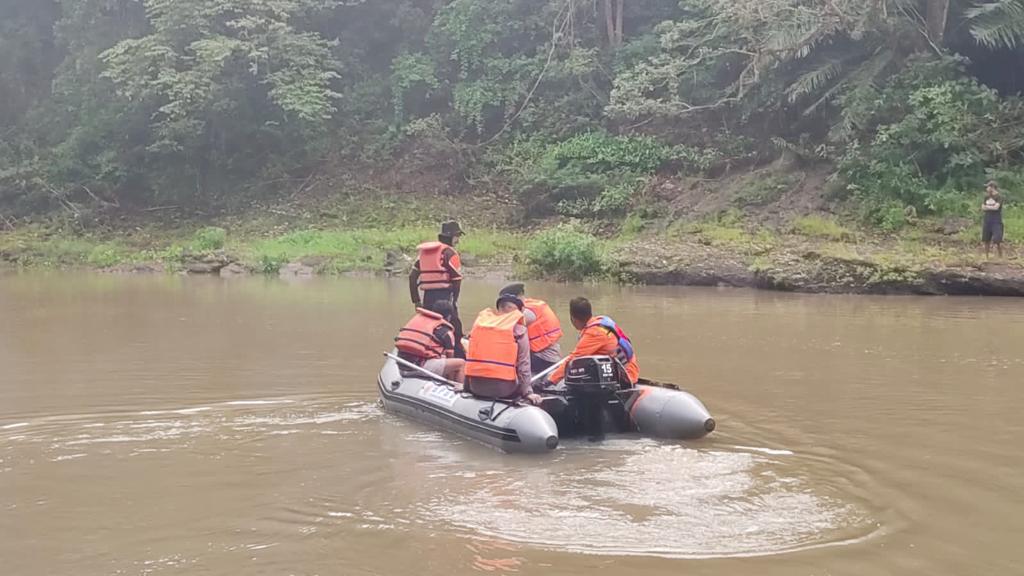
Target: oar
<point>549,370</point>
<point>423,371</point>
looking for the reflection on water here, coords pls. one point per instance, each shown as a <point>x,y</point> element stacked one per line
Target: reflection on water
<point>177,426</point>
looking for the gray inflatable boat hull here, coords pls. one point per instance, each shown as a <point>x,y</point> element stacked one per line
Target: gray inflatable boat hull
<point>668,413</point>
<point>510,428</point>
<point>653,411</point>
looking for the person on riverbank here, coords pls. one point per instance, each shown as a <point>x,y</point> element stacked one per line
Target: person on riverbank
<point>498,358</point>
<point>542,327</point>
<point>437,273</point>
<point>428,341</point>
<point>992,219</point>
<point>599,335</point>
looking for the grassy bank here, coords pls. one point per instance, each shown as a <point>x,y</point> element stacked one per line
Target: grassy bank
<point>328,251</point>
<point>812,252</point>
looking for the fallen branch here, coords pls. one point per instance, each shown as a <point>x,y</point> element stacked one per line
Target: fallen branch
<point>158,208</point>
<point>304,186</point>
<point>64,202</point>
<point>115,204</point>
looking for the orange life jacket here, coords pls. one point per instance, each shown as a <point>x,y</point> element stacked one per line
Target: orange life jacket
<point>546,329</point>
<point>493,350</point>
<point>433,273</point>
<point>417,338</point>
<point>624,351</point>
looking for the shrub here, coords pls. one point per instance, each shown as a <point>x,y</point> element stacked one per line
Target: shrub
<point>567,253</point>
<point>759,190</point>
<point>209,239</point>
<point>589,175</point>
<point>105,256</point>
<point>930,129</point>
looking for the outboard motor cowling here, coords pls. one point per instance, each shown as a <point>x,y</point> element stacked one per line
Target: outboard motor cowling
<point>592,375</point>
<point>592,383</point>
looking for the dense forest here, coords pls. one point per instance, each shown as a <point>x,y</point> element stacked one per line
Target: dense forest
<point>570,105</point>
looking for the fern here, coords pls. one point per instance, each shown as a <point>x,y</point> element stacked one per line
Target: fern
<point>862,76</point>
<point>998,24</point>
<point>813,81</point>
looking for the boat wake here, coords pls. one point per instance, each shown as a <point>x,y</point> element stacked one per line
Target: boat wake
<point>129,433</point>
<point>639,497</point>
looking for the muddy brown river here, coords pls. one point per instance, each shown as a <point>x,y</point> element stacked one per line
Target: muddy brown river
<point>168,425</point>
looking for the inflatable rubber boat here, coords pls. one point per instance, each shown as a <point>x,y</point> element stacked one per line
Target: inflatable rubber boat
<point>591,401</point>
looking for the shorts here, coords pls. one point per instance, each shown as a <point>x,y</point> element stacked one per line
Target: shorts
<point>992,232</point>
<point>435,365</point>
<point>492,388</point>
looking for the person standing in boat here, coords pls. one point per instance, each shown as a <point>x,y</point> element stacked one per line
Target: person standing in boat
<point>599,335</point>
<point>438,274</point>
<point>542,327</point>
<point>428,341</point>
<point>498,359</point>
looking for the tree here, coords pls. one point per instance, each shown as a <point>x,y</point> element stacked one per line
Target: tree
<point>744,53</point>
<point>226,80</point>
<point>28,55</point>
<point>936,17</point>
<point>613,10</point>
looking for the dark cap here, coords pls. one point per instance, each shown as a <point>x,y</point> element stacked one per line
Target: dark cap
<point>442,307</point>
<point>509,298</point>
<point>517,289</point>
<point>451,229</point>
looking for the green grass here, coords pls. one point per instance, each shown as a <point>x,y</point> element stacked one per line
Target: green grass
<point>759,190</point>
<point>841,251</point>
<point>632,226</point>
<point>34,246</point>
<point>366,249</point>
<point>815,226</point>
<point>728,231</point>
<point>108,254</point>
<point>338,250</point>
<point>719,235</point>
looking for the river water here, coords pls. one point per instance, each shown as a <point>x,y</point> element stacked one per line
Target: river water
<point>168,425</point>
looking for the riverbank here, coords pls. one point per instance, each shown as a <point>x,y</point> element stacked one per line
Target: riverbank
<point>815,254</point>
<point>795,264</point>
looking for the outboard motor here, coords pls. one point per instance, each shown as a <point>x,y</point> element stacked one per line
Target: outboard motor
<point>593,383</point>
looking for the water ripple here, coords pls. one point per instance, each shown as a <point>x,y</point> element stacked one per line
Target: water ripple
<point>655,500</point>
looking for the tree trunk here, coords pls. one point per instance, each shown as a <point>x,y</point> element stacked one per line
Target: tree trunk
<point>609,20</point>
<point>618,22</point>
<point>936,19</point>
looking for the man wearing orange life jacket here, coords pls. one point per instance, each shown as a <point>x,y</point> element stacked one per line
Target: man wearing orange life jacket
<point>542,327</point>
<point>428,341</point>
<point>498,359</point>
<point>599,335</point>
<point>438,274</point>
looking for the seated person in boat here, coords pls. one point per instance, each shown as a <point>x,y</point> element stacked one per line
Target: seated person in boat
<point>498,357</point>
<point>599,335</point>
<point>542,327</point>
<point>428,341</point>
